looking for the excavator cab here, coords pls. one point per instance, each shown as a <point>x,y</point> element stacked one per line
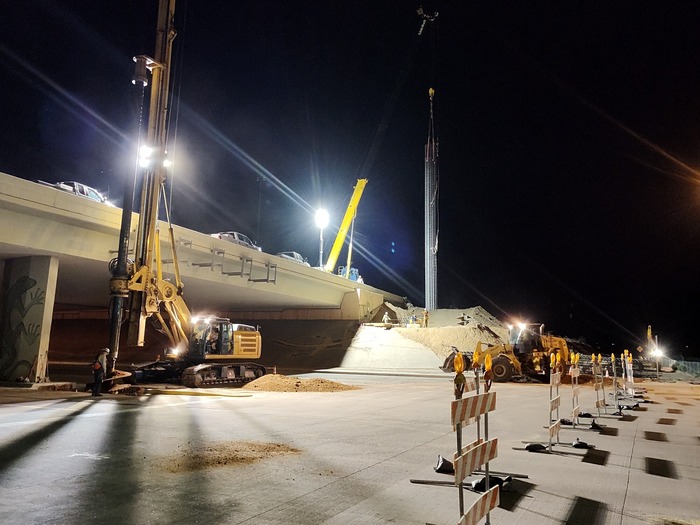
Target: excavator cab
<point>209,336</point>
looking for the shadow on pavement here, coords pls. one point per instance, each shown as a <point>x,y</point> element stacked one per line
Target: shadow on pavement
<point>661,467</point>
<point>21,446</point>
<point>586,511</point>
<point>509,499</point>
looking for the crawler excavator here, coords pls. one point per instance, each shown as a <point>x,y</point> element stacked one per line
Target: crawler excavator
<point>194,357</point>
<point>527,352</point>
<point>208,361</point>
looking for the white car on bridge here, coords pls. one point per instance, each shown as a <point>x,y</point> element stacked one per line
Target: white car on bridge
<point>237,238</point>
<point>80,189</point>
<point>294,256</point>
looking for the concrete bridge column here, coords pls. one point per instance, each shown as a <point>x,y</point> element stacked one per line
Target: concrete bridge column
<point>360,304</point>
<point>27,299</point>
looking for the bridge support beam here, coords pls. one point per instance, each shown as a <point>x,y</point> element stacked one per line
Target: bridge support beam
<point>358,305</point>
<point>27,299</point>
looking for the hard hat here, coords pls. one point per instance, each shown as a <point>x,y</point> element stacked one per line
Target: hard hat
<point>105,350</point>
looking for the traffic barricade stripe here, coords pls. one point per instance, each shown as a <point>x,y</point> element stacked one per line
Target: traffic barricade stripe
<point>554,403</point>
<point>474,459</point>
<point>467,448</point>
<point>554,429</point>
<point>470,384</point>
<point>471,407</point>
<point>555,379</point>
<point>485,504</point>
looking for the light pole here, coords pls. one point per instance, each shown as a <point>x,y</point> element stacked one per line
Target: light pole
<point>656,352</point>
<point>321,222</point>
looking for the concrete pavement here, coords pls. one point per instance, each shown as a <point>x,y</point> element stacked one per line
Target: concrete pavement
<point>66,458</point>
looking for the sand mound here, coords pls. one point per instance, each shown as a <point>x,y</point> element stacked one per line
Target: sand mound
<point>281,383</point>
<point>441,340</point>
<point>446,316</point>
<point>444,330</point>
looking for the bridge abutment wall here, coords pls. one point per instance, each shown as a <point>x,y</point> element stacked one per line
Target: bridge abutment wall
<point>26,309</point>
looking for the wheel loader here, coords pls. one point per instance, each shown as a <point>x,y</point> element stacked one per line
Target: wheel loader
<point>527,352</point>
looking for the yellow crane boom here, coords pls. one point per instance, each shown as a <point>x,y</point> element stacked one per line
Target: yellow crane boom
<point>345,225</point>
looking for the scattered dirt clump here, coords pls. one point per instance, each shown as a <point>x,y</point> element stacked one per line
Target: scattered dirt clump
<point>191,457</point>
<point>282,383</point>
<point>583,379</point>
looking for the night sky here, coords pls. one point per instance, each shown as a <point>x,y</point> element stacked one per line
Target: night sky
<point>569,139</point>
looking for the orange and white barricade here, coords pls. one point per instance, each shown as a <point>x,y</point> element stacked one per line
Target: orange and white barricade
<point>479,452</point>
<point>598,383</point>
<point>616,386</point>
<point>629,376</point>
<point>575,389</point>
<point>554,424</point>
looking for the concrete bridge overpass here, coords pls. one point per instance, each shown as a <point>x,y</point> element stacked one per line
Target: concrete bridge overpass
<point>69,241</point>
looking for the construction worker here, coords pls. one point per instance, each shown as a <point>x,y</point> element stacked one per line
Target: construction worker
<point>213,340</point>
<point>425,318</point>
<point>99,365</point>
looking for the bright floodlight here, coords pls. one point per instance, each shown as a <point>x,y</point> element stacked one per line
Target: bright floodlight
<point>657,352</point>
<point>322,218</point>
<point>145,153</point>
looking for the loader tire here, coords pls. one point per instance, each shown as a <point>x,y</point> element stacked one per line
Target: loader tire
<point>502,370</point>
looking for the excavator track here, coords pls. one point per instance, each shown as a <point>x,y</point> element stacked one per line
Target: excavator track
<point>221,375</point>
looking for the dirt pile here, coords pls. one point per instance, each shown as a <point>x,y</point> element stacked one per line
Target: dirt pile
<point>188,458</point>
<point>282,383</point>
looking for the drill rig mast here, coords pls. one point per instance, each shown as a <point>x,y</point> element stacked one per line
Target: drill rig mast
<point>141,282</point>
<point>202,351</point>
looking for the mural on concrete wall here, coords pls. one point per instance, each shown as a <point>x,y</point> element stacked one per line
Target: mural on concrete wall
<point>18,334</point>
